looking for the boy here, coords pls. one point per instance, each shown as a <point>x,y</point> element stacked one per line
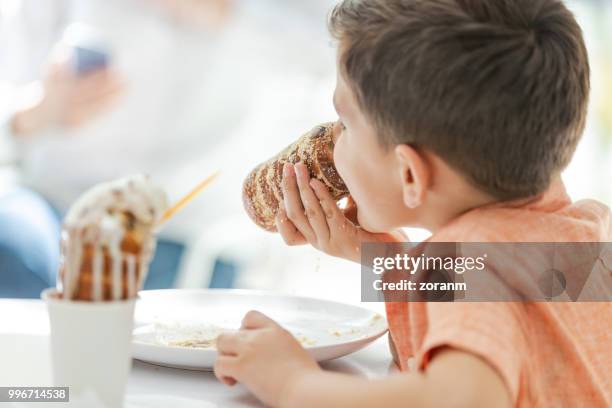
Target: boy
<point>458,116</point>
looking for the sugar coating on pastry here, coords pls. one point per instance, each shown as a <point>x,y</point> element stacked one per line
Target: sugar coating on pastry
<point>108,239</point>
<point>136,194</point>
<point>262,190</point>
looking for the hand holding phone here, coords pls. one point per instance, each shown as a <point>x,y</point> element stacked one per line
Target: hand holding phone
<point>87,60</point>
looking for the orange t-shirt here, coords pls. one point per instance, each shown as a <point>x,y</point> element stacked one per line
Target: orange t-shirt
<point>548,354</point>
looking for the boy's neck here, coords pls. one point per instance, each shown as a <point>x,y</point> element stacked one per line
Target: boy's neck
<point>450,197</point>
<point>462,198</point>
<point>455,207</point>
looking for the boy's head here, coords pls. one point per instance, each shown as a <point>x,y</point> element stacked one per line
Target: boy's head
<point>473,96</point>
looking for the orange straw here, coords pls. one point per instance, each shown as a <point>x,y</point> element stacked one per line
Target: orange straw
<point>190,196</point>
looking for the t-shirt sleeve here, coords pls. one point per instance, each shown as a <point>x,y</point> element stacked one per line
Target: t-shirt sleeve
<point>491,331</point>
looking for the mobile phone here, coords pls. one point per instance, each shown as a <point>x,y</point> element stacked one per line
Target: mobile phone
<point>87,60</point>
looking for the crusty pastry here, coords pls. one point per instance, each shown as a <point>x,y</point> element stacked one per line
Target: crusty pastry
<point>262,191</point>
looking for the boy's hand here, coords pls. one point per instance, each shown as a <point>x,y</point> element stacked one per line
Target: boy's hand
<point>264,357</point>
<point>311,215</point>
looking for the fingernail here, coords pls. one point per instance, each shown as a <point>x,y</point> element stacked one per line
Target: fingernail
<point>286,170</point>
<point>299,168</point>
<point>313,183</point>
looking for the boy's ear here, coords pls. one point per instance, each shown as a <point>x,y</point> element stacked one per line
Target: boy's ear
<point>415,175</point>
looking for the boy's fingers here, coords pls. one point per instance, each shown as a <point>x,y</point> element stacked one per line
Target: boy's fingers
<point>293,203</point>
<point>229,343</point>
<point>256,320</point>
<point>312,207</point>
<point>225,369</point>
<point>287,230</point>
<point>333,214</point>
<point>350,210</point>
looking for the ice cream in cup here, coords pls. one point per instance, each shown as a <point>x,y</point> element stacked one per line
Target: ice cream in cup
<point>108,240</point>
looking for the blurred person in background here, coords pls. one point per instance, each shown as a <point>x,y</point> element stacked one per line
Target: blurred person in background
<point>157,104</point>
<point>189,87</point>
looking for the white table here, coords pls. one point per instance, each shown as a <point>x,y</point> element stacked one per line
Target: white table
<point>25,361</point>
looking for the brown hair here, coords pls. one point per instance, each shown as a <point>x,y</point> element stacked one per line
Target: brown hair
<point>496,88</point>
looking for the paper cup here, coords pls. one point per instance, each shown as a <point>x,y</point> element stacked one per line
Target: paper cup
<point>91,347</point>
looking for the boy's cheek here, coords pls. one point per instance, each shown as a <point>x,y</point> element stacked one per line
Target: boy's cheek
<point>365,188</point>
<point>356,183</point>
<point>379,209</point>
<point>339,159</point>
<point>370,222</point>
<point>347,163</point>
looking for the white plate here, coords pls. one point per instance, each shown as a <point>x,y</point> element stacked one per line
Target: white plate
<point>326,329</point>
